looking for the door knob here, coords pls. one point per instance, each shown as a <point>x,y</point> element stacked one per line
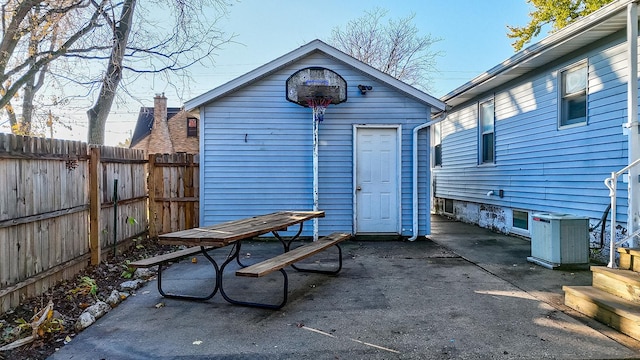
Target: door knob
<point>358,188</point>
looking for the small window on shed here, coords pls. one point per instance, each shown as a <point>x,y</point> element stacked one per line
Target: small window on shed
<point>192,127</point>
<point>573,95</point>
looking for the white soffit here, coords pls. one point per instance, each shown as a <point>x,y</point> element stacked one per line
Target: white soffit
<point>600,24</point>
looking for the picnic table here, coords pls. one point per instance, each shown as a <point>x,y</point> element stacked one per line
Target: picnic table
<point>203,239</point>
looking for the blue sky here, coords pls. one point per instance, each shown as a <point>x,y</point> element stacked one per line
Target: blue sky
<point>472,32</point>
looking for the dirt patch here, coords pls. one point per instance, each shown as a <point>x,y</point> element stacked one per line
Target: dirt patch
<point>70,298</point>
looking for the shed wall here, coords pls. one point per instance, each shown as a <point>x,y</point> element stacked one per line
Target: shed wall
<point>257,149</point>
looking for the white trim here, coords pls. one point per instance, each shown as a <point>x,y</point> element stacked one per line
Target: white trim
<point>597,25</point>
<point>398,128</point>
<point>480,143</point>
<point>577,64</point>
<point>517,230</point>
<point>633,152</point>
<point>201,159</point>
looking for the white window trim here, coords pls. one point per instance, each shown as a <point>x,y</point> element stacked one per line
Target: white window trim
<point>436,141</point>
<point>481,162</point>
<point>519,231</point>
<point>559,91</point>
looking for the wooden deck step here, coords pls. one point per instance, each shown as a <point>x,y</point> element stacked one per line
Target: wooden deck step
<point>164,258</point>
<point>629,258</point>
<point>618,313</point>
<point>276,263</point>
<point>618,282</point>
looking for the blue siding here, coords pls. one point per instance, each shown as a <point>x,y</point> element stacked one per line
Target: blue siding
<point>541,167</point>
<point>257,149</point>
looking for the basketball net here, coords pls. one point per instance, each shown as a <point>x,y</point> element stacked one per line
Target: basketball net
<point>318,105</point>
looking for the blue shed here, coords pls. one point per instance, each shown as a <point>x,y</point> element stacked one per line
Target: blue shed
<point>256,148</point>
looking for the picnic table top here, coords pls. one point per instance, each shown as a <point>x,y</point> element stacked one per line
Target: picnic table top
<point>227,232</point>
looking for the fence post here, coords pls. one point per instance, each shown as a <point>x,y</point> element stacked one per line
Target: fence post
<point>151,188</point>
<point>189,192</point>
<point>94,206</point>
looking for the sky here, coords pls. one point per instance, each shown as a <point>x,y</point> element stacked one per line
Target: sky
<point>472,37</point>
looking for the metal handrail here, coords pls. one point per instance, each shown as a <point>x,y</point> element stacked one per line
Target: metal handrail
<point>612,184</point>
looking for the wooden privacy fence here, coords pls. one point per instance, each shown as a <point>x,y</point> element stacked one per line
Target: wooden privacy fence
<point>58,209</point>
<point>173,192</point>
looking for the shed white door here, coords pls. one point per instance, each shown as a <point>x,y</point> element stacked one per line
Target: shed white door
<point>376,183</point>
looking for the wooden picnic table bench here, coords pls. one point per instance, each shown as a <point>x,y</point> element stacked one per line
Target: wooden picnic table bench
<point>201,240</point>
<point>292,256</point>
<point>164,259</point>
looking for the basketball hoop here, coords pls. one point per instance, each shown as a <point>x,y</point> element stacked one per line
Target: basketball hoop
<point>316,87</point>
<point>318,105</point>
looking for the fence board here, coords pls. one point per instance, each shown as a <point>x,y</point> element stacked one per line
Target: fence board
<point>172,192</point>
<point>45,208</point>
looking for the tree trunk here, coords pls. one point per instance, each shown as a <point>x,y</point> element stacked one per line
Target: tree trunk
<point>100,111</point>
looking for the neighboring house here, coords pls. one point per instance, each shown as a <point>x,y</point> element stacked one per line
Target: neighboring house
<point>257,148</point>
<point>164,130</point>
<point>541,131</point>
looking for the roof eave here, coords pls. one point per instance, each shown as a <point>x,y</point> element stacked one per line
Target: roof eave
<point>516,65</point>
<point>301,52</point>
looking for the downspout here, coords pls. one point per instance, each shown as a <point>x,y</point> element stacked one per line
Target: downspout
<point>440,117</point>
<point>633,219</point>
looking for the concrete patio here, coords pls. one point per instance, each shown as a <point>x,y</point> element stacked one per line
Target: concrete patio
<point>467,293</point>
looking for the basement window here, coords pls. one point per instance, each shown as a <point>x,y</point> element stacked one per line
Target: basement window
<point>520,220</point>
<point>448,206</point>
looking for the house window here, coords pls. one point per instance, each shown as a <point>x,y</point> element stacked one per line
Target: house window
<point>486,141</point>
<point>437,144</point>
<point>520,220</point>
<point>573,95</point>
<point>192,127</point>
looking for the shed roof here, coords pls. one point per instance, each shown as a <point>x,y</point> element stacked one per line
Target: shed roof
<point>597,25</point>
<point>303,51</point>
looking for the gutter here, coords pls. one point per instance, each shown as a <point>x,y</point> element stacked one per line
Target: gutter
<point>441,116</point>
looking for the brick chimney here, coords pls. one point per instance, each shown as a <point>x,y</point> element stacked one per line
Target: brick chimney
<point>160,141</point>
<point>159,109</point>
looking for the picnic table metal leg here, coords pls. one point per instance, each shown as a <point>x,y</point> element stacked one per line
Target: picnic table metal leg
<point>287,247</point>
<point>249,303</point>
<point>287,244</point>
<point>327,272</point>
<point>190,297</point>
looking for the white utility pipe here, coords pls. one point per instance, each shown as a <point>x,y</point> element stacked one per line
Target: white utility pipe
<point>633,218</point>
<point>315,175</point>
<point>415,204</point>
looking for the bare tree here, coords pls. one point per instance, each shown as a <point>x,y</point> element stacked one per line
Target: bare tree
<point>121,37</point>
<point>394,47</point>
<point>29,45</point>
<point>142,48</point>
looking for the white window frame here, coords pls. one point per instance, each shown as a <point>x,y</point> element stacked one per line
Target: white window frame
<point>521,231</point>
<point>482,132</point>
<point>437,141</point>
<point>564,98</point>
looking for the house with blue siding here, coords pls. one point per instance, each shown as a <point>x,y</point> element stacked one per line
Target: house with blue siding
<point>541,131</point>
<point>256,148</point>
